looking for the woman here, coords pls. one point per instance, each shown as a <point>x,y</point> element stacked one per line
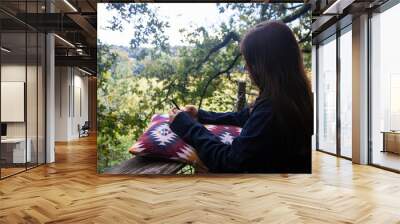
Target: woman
<point>277,129</point>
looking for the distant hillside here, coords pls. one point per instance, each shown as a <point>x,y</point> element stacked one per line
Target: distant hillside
<point>139,53</point>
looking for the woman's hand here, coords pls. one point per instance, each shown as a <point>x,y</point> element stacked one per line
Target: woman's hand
<point>173,113</point>
<point>191,110</point>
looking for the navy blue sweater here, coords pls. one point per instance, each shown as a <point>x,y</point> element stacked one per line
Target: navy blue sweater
<point>261,147</point>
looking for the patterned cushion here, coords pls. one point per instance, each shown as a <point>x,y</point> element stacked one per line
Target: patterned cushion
<point>159,141</point>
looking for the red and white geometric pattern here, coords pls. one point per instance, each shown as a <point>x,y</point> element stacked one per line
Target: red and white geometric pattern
<point>163,134</point>
<point>160,141</point>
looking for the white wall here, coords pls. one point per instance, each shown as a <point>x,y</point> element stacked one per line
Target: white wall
<point>33,127</point>
<point>71,94</point>
<point>12,73</point>
<point>80,94</point>
<point>16,72</point>
<point>62,82</point>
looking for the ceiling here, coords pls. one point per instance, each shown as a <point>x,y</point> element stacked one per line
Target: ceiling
<point>73,21</point>
<point>329,15</point>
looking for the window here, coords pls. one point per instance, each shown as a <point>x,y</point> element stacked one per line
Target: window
<point>385,88</point>
<point>327,96</point>
<point>22,77</point>
<point>346,93</point>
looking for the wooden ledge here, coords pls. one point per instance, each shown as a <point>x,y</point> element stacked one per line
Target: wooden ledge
<point>145,165</point>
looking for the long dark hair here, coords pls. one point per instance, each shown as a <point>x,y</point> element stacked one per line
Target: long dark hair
<point>275,64</point>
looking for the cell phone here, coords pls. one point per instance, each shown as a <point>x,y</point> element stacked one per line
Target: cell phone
<point>176,105</point>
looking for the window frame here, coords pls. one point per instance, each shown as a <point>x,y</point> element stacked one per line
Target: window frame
<point>332,33</point>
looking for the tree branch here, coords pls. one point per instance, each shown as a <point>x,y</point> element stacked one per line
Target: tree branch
<point>231,36</point>
<point>227,39</point>
<point>292,7</point>
<point>215,76</point>
<point>296,14</point>
<point>235,37</point>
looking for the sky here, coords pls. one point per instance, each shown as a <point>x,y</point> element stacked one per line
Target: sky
<point>179,15</point>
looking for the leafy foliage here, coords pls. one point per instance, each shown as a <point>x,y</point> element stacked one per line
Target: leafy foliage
<point>148,28</point>
<point>136,82</point>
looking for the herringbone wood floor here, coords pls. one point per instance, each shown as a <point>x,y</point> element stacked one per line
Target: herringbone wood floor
<point>70,191</point>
